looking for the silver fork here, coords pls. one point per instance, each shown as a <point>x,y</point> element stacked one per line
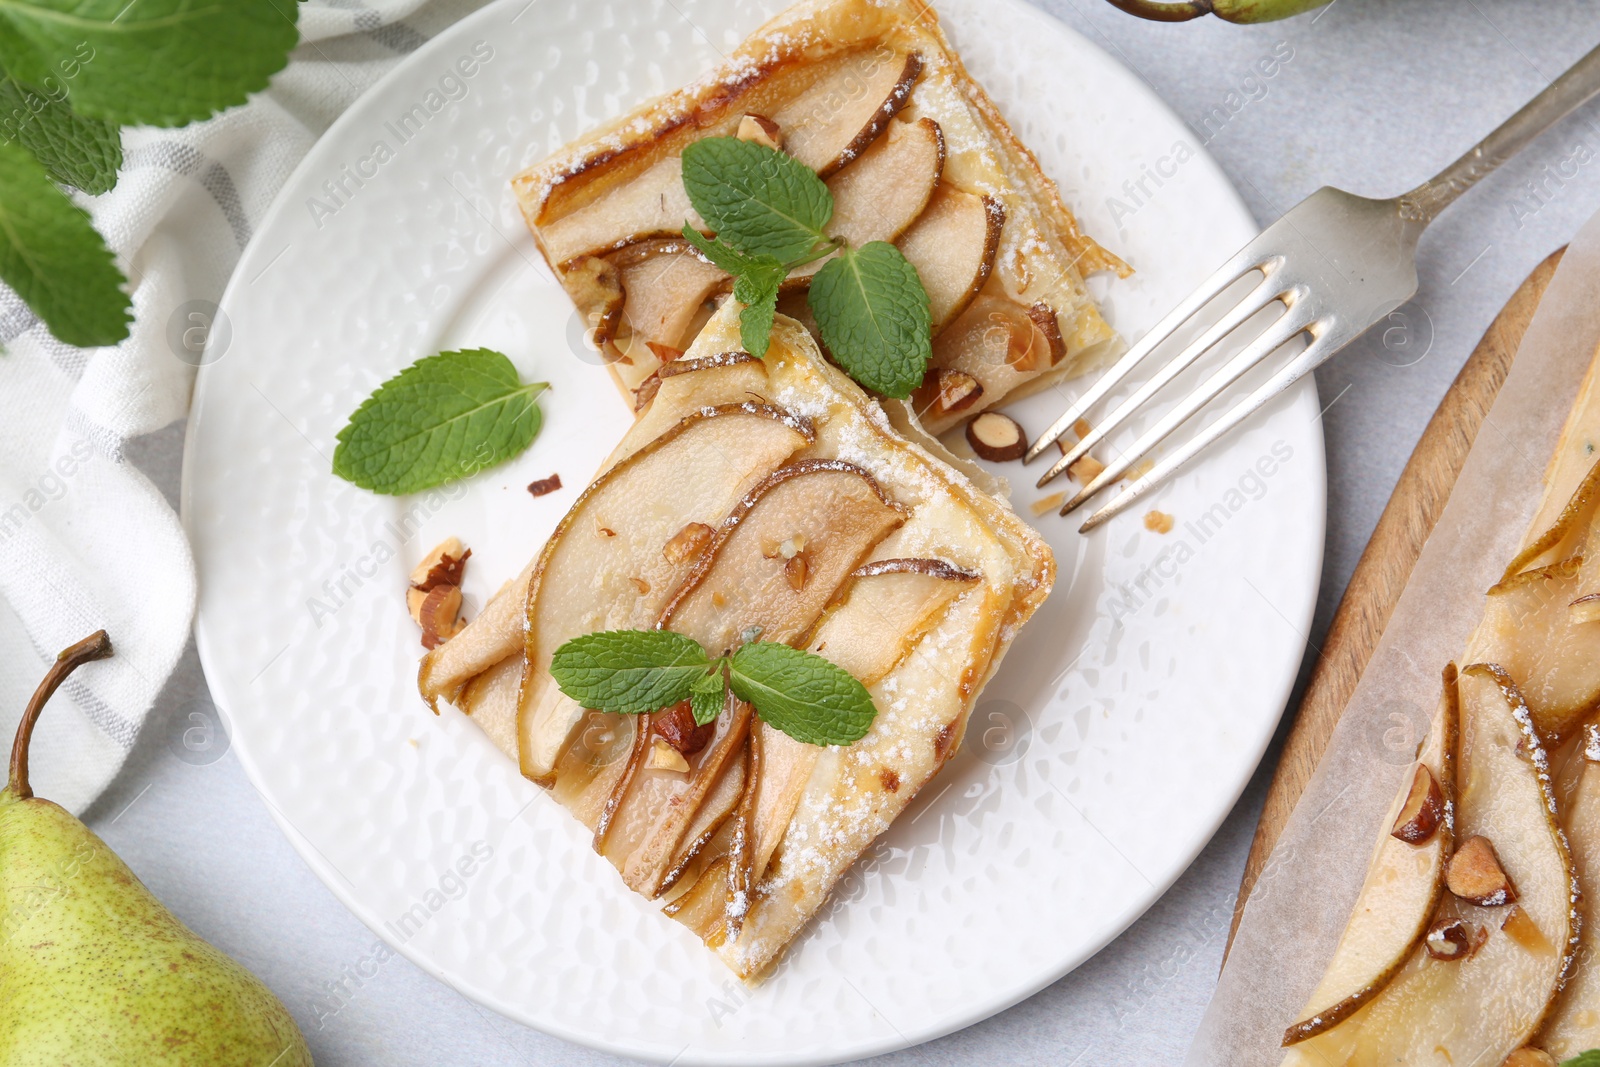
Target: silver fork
<point>1336,262</point>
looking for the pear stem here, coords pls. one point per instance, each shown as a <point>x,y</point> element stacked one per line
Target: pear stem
<point>96,646</point>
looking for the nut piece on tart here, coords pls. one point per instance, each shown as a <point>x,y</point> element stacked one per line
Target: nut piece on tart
<point>1505,971</point>
<point>978,222</point>
<point>733,471</point>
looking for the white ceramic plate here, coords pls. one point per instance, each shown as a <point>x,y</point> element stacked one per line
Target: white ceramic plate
<point>1121,729</point>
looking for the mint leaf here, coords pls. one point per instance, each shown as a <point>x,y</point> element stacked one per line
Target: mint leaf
<point>152,62</point>
<point>757,199</point>
<point>802,694</point>
<point>442,418</point>
<point>629,672</point>
<point>873,314</point>
<point>758,292</point>
<point>52,256</point>
<point>755,285</point>
<point>708,695</point>
<point>1584,1059</point>
<point>83,153</point>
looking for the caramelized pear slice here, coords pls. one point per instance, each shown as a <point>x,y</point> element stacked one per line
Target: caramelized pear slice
<point>1401,891</point>
<point>835,509</point>
<point>604,568</point>
<point>664,284</point>
<point>690,383</point>
<point>879,195</point>
<point>1574,1024</point>
<point>888,606</point>
<point>490,700</point>
<point>1480,1009</point>
<point>495,634</point>
<point>853,99</point>
<point>652,203</point>
<point>1566,536</point>
<point>952,244</point>
<point>652,821</point>
<point>1529,629</point>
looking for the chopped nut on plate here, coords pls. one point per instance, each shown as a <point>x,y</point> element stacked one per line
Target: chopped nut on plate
<point>996,437</point>
<point>1158,522</point>
<point>1085,470</point>
<point>433,599</point>
<point>542,486</point>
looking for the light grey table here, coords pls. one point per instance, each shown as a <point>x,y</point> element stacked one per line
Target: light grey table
<point>1375,95</point>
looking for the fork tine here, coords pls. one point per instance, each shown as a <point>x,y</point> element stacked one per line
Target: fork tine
<point>1314,354</point>
<point>1292,323</point>
<point>1243,262</point>
<point>1254,301</point>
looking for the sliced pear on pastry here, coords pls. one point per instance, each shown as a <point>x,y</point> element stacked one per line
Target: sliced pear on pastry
<point>652,203</point>
<point>885,610</point>
<point>607,566</point>
<point>665,284</point>
<point>952,244</point>
<point>693,381</point>
<point>652,820</point>
<point>852,100</point>
<point>1404,883</point>
<point>1574,1023</point>
<point>1530,629</point>
<point>782,553</point>
<point>493,635</point>
<point>1481,1007</point>
<point>880,194</point>
<point>490,700</point>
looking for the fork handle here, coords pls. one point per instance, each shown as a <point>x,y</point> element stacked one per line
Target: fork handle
<point>1578,84</point>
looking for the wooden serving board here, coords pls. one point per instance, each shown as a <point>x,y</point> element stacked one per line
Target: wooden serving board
<point>1385,567</point>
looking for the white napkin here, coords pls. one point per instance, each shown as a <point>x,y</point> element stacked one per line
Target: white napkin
<point>86,541</point>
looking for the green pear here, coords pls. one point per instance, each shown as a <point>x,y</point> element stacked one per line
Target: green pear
<point>1232,10</point>
<point>94,970</point>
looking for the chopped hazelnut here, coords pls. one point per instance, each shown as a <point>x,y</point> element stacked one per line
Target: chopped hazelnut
<point>664,757</point>
<point>687,542</point>
<point>439,611</point>
<point>1475,874</point>
<point>1452,940</point>
<point>545,485</point>
<point>1158,522</point>
<point>1047,503</point>
<point>1086,470</point>
<point>641,585</point>
<point>795,570</point>
<point>996,437</point>
<point>445,565</point>
<point>676,726</point>
<point>1423,810</point>
<point>955,389</point>
<point>761,130</point>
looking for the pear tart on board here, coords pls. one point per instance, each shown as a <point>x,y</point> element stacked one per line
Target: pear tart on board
<point>1476,935</point>
<point>870,95</point>
<point>750,493</point>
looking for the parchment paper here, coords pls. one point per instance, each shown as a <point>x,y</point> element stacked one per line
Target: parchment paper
<point>1302,901</point>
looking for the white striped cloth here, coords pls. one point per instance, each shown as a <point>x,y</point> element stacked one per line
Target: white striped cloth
<point>86,541</point>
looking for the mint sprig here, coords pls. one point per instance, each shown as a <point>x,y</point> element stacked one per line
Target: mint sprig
<point>442,418</point>
<point>769,212</point>
<point>81,152</point>
<point>1584,1059</point>
<point>759,200</point>
<point>51,255</point>
<point>72,73</point>
<point>631,672</point>
<point>873,312</point>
